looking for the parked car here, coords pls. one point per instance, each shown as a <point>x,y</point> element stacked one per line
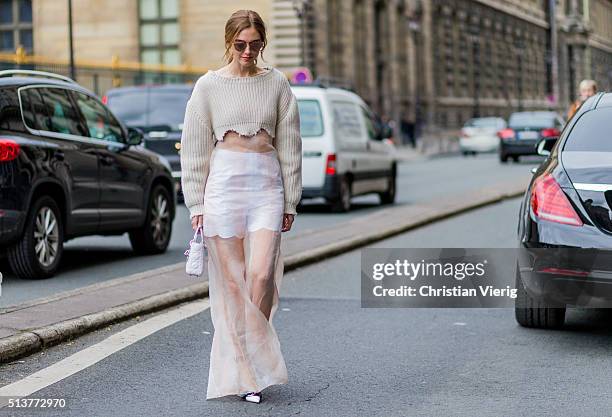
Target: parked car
<point>159,111</point>
<point>344,148</point>
<point>480,135</point>
<point>565,222</point>
<point>524,131</point>
<point>69,168</point>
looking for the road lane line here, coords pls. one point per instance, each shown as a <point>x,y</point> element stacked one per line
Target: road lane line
<point>94,354</point>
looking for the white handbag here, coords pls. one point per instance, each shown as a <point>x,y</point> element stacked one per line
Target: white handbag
<point>195,254</point>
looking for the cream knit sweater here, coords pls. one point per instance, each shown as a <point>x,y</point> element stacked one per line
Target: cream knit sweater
<point>245,105</point>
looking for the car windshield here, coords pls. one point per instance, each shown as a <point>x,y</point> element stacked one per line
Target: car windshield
<point>591,132</point>
<point>493,122</point>
<point>311,121</point>
<point>531,120</point>
<point>151,109</point>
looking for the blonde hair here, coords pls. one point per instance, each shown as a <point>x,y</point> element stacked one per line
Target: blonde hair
<point>238,21</point>
<point>588,84</point>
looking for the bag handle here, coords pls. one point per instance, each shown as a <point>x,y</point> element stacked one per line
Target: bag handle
<point>198,232</point>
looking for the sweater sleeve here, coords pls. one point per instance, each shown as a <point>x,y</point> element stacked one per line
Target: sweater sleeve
<point>288,143</point>
<point>197,144</point>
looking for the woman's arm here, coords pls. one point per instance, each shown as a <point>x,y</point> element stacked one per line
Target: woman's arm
<point>197,144</point>
<point>288,143</point>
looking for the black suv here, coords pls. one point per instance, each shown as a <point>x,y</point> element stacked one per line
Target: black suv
<point>69,168</point>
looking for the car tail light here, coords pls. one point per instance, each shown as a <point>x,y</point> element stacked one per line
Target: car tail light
<point>9,150</point>
<point>330,165</point>
<point>563,271</point>
<point>105,99</point>
<point>548,202</point>
<point>506,134</point>
<point>550,133</point>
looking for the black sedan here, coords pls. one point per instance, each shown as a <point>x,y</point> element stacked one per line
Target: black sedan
<point>524,131</point>
<point>565,224</point>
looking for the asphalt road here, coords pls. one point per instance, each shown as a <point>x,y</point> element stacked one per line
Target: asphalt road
<point>89,260</point>
<point>347,361</point>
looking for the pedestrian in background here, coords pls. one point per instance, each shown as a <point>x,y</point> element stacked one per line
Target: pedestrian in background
<point>241,155</point>
<point>407,132</point>
<point>587,88</point>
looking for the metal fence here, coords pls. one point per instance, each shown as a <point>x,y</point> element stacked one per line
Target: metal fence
<point>99,77</point>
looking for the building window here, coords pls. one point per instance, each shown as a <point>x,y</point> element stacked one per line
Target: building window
<point>16,25</point>
<point>159,32</point>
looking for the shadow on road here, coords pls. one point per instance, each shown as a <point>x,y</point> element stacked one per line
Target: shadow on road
<point>76,259</point>
<point>589,320</point>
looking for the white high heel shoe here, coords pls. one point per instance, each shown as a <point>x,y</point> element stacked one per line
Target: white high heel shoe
<point>252,397</point>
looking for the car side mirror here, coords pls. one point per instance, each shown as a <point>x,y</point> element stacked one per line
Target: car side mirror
<point>135,136</point>
<point>545,145</point>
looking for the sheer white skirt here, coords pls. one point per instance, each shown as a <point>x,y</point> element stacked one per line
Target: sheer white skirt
<point>243,211</point>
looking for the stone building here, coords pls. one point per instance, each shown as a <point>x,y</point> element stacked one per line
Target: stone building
<point>444,61</point>
<point>438,61</point>
<point>169,32</point>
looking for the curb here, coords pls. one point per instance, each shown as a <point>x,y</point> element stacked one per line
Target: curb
<point>34,340</point>
<point>336,248</point>
<point>29,342</point>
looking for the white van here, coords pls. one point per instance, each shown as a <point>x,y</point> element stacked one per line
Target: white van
<point>344,151</point>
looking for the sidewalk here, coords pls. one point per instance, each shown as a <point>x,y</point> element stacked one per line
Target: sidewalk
<point>35,325</point>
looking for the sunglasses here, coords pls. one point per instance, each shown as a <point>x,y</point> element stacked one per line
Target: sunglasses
<point>256,46</point>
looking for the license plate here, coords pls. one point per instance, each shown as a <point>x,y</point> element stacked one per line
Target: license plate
<point>528,135</point>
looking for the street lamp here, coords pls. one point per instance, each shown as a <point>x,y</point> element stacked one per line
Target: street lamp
<point>474,32</point>
<point>519,48</point>
<point>413,20</point>
<point>300,7</point>
<point>70,42</point>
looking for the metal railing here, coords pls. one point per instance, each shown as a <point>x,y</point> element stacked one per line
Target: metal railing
<point>99,76</point>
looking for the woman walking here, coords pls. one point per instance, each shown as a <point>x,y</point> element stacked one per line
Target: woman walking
<point>241,158</point>
<point>587,88</point>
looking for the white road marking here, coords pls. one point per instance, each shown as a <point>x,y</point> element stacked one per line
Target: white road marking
<point>93,354</point>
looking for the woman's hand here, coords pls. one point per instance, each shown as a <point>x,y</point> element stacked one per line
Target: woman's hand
<point>287,222</point>
<point>197,221</point>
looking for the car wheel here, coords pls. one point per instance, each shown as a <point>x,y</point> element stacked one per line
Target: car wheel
<point>154,236</point>
<point>515,158</point>
<point>388,197</point>
<point>465,153</point>
<point>343,203</point>
<point>531,312</point>
<point>38,254</point>
<point>503,158</point>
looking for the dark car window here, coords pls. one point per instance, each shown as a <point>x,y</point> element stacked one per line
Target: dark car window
<point>100,124</point>
<point>592,132</point>
<point>62,116</point>
<point>151,109</point>
<point>10,113</point>
<point>532,120</point>
<point>34,110</point>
